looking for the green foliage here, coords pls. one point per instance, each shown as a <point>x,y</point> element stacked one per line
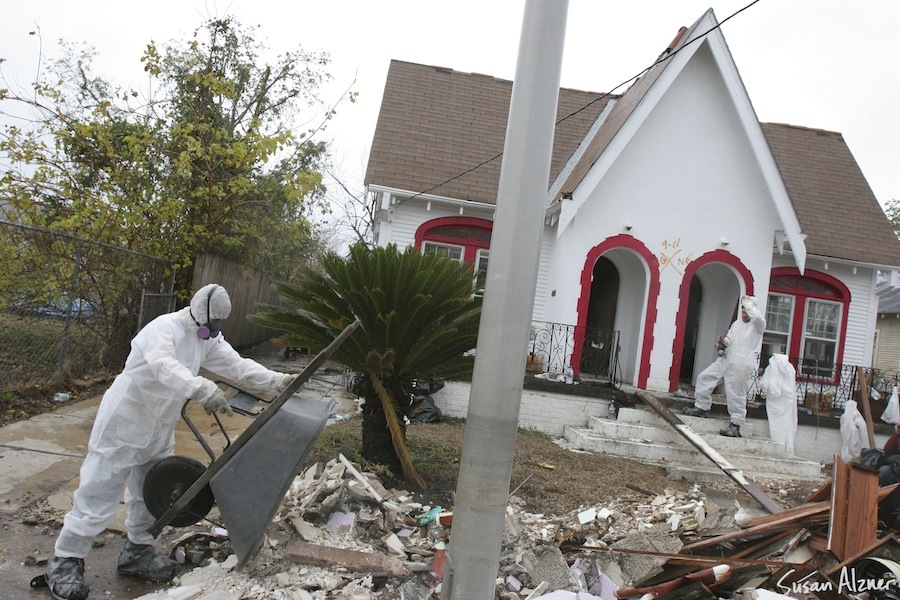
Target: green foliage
<point>892,210</point>
<point>209,163</point>
<point>418,320</point>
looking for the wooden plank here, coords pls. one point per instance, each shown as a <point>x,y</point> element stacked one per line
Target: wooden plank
<point>823,493</point>
<point>698,442</point>
<point>787,522</point>
<point>862,509</point>
<point>800,511</point>
<point>837,518</point>
<point>870,551</point>
<point>864,403</point>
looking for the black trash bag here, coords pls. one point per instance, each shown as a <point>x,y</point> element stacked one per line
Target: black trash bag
<point>872,458</point>
<point>424,410</point>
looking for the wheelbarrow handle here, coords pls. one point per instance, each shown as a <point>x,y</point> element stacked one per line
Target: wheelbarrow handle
<point>199,436</point>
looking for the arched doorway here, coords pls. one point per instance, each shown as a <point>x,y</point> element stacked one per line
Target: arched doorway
<point>600,337</point>
<point>710,294</point>
<point>626,297</point>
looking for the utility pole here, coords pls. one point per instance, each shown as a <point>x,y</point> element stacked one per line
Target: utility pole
<point>492,421</point>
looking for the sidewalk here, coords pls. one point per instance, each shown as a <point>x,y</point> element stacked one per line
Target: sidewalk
<point>41,456</point>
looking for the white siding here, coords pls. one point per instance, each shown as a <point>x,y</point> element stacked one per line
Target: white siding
<point>888,358</point>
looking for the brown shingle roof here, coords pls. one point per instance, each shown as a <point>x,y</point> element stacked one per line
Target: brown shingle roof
<point>834,203</point>
<point>436,124</point>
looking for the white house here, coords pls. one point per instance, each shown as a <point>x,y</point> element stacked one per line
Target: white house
<point>664,206</point>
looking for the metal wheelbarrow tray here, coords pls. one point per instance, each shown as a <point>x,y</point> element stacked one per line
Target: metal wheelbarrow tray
<point>253,473</point>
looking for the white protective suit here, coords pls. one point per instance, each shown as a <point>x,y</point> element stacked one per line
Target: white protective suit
<point>779,383</point>
<point>135,424</point>
<point>736,368</point>
<point>854,432</point>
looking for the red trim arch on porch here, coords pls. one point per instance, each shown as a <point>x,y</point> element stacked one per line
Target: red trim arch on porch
<point>684,293</point>
<point>471,244</point>
<point>652,264</point>
<point>841,294</point>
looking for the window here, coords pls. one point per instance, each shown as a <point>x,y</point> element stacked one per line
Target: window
<point>820,337</point>
<point>445,250</point>
<point>464,239</point>
<point>777,336</point>
<point>806,319</point>
<point>481,265</point>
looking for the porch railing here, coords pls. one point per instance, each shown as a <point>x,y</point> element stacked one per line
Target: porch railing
<point>825,390</point>
<point>592,353</point>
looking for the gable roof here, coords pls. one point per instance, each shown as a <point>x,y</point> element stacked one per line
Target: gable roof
<point>436,124</point>
<point>836,207</point>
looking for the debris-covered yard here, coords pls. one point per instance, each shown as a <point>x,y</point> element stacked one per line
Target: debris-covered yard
<point>576,522</point>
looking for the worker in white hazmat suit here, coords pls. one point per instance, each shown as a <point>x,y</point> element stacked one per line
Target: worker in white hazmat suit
<point>135,428</point>
<point>735,368</point>
<point>779,382</point>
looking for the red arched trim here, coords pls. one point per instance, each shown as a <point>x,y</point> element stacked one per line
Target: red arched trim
<point>684,293</point>
<point>842,295</point>
<point>621,241</point>
<point>422,233</point>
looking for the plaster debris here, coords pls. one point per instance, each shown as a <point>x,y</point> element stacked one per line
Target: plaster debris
<point>340,535</point>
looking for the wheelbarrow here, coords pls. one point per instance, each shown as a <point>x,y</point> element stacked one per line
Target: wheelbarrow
<point>249,478</point>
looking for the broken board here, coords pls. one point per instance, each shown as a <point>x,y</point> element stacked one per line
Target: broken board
<point>698,442</point>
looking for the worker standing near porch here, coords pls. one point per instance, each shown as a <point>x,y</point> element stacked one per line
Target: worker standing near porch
<point>735,368</point>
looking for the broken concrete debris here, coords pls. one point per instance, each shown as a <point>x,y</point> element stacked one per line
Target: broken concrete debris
<point>339,534</point>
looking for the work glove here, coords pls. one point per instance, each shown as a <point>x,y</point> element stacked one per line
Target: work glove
<point>286,380</point>
<point>217,403</point>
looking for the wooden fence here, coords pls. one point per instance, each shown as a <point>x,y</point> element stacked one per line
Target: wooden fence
<point>247,289</point>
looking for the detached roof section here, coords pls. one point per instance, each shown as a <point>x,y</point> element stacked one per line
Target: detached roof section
<point>437,125</point>
<point>836,207</point>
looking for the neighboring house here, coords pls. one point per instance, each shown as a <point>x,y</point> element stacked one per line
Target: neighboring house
<point>887,332</point>
<point>664,206</point>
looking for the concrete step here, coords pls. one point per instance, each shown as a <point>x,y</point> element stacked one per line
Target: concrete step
<point>657,433</point>
<point>639,433</point>
<point>756,465</point>
<point>702,425</point>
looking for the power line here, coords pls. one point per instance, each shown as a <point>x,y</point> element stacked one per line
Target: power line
<point>663,58</point>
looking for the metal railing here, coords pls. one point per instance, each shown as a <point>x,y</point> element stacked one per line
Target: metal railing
<point>592,353</point>
<point>825,389</point>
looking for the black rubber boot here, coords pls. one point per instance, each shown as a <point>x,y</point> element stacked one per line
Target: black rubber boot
<point>66,579</point>
<point>693,411</point>
<point>142,560</point>
<point>731,431</point>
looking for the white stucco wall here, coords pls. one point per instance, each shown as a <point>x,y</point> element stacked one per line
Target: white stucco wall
<point>686,181</point>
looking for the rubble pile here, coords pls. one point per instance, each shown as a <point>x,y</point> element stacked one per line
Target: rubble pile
<point>340,534</point>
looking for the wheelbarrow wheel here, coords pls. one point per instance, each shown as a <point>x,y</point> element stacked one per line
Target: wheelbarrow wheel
<point>167,481</point>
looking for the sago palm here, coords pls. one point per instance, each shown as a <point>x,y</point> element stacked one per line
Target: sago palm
<point>418,320</point>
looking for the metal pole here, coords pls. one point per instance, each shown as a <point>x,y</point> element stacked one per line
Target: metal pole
<point>487,454</point>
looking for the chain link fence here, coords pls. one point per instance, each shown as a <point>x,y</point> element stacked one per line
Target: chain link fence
<point>70,306</point>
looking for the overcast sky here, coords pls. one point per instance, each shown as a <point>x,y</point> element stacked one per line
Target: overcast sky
<point>826,64</point>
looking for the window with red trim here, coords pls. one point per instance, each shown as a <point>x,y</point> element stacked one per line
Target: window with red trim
<point>805,319</point>
<point>464,240</point>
